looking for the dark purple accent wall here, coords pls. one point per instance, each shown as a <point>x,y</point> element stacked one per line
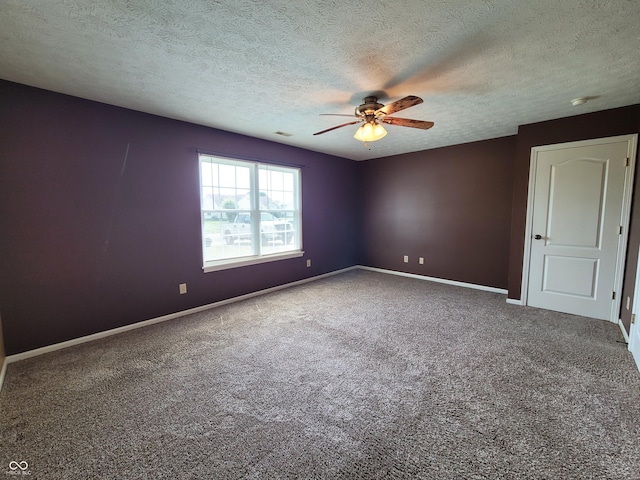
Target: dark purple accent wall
<point>90,242</point>
<point>619,121</point>
<point>2,353</point>
<point>450,205</point>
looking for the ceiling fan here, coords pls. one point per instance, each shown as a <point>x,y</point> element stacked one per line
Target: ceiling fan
<point>371,113</point>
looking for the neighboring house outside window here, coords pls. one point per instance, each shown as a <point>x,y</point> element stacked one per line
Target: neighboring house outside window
<point>250,212</point>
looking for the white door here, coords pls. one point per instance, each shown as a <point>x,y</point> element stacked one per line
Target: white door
<point>578,225</point>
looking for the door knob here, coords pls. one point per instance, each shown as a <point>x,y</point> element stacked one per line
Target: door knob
<point>538,237</point>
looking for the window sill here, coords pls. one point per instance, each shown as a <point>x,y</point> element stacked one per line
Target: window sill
<point>234,263</point>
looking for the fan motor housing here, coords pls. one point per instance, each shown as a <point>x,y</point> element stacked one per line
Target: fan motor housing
<point>369,106</point>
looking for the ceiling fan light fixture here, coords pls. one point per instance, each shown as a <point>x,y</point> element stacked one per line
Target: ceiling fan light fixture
<point>379,131</point>
<point>370,132</point>
<point>371,111</point>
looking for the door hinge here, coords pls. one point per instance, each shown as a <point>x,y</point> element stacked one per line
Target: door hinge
<point>620,230</point>
<point>626,162</point>
<point>613,295</point>
<point>633,318</point>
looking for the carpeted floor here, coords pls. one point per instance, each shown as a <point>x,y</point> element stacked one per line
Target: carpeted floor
<point>358,375</point>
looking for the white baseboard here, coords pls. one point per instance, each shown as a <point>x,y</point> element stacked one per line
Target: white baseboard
<point>436,279</point>
<point>107,333</point>
<point>96,336</point>
<point>624,331</point>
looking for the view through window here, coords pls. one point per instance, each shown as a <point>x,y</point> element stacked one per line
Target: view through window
<point>250,212</point>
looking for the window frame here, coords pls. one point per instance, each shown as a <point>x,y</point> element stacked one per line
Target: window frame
<point>254,211</point>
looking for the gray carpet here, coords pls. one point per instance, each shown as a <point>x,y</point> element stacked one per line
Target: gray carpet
<point>359,375</point>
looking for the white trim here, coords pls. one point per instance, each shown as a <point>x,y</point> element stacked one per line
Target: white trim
<point>3,371</point>
<point>514,301</point>
<point>625,220</point>
<point>632,346</point>
<point>524,284</point>
<point>633,349</point>
<point>624,331</point>
<point>107,333</point>
<point>436,279</point>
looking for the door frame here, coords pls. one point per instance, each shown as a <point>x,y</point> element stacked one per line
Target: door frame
<point>632,141</point>
<point>633,338</point>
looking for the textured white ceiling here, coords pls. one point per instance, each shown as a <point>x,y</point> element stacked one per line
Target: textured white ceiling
<point>483,67</point>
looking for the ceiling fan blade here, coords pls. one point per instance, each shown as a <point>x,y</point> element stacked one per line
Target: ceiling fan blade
<point>401,104</point>
<point>339,115</point>
<point>339,126</point>
<point>407,122</point>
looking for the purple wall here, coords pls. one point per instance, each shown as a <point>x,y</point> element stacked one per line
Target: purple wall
<point>607,123</point>
<point>88,246</point>
<point>2,354</point>
<point>450,205</point>
<point>90,243</point>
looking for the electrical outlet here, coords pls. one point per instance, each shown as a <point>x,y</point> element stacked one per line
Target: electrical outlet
<point>183,288</point>
<point>421,260</point>
<point>309,262</point>
<point>406,259</point>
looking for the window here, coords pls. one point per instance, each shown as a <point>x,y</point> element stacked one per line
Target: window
<point>250,212</point>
